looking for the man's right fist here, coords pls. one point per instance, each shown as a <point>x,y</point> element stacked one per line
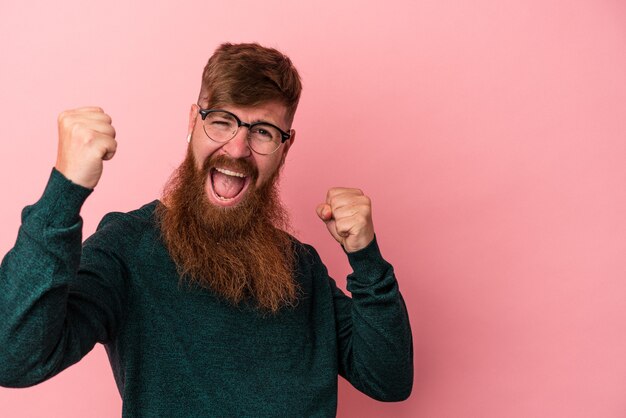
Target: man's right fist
<point>86,138</point>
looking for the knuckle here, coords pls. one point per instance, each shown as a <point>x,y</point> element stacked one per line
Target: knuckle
<point>333,191</point>
<point>340,229</point>
<point>343,224</point>
<point>77,129</point>
<point>88,136</point>
<point>103,148</point>
<point>67,121</point>
<point>83,133</point>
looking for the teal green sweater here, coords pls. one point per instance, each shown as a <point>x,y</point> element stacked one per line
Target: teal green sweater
<point>182,352</point>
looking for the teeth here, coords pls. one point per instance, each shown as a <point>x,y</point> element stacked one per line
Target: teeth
<point>230,173</point>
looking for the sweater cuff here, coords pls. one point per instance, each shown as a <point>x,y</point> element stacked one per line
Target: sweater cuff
<point>366,259</point>
<point>62,200</point>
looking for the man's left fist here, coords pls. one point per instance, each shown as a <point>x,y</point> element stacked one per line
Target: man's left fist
<point>347,214</point>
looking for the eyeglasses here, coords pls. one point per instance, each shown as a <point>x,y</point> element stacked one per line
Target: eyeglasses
<point>222,126</point>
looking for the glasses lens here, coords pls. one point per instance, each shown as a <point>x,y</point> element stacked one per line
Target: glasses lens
<point>264,139</point>
<point>220,126</point>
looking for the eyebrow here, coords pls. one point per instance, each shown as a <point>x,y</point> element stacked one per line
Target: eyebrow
<point>262,121</point>
<point>255,121</point>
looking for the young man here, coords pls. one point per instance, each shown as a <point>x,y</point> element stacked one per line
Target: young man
<point>205,305</point>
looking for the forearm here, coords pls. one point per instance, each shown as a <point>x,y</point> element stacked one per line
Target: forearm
<point>34,279</point>
<point>378,353</point>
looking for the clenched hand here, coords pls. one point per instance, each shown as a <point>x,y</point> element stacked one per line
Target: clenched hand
<point>86,139</point>
<point>347,214</point>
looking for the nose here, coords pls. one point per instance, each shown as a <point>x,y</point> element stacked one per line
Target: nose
<point>238,146</point>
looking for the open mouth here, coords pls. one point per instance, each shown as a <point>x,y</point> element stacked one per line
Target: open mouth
<point>228,186</point>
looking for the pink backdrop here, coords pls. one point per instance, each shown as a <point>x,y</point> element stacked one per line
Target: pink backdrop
<point>491,136</point>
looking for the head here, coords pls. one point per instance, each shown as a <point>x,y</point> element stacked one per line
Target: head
<point>222,220</point>
<point>256,84</point>
<point>248,75</point>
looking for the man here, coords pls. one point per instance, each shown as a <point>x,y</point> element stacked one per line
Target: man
<point>205,305</point>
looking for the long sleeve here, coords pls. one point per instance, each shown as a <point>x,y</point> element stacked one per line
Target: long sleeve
<point>52,312</point>
<point>374,334</point>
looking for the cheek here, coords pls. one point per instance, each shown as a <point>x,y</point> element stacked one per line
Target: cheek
<point>267,169</point>
<point>201,153</point>
<point>198,157</point>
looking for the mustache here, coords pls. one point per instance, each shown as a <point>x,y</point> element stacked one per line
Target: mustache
<point>239,165</point>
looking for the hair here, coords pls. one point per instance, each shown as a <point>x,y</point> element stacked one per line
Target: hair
<point>249,74</point>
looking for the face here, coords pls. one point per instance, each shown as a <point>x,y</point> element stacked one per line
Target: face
<point>235,169</point>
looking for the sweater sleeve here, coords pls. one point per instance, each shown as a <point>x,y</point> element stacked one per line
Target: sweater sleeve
<point>374,334</point>
<point>52,310</point>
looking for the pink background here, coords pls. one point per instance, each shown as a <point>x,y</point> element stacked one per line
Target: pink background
<point>491,136</point>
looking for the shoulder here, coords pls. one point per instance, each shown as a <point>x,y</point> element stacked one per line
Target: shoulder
<point>124,227</point>
<point>137,218</point>
<point>306,255</point>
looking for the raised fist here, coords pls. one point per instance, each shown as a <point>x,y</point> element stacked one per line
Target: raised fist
<point>347,214</point>
<point>86,139</point>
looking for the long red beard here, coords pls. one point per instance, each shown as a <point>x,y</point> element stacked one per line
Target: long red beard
<point>239,253</point>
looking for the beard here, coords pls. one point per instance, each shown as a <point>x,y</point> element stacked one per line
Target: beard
<point>240,253</point>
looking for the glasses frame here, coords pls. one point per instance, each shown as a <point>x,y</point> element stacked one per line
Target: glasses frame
<point>284,136</point>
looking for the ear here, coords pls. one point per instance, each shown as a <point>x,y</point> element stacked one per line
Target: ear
<point>287,145</point>
<point>193,117</point>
